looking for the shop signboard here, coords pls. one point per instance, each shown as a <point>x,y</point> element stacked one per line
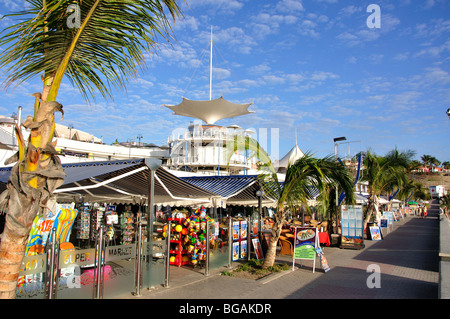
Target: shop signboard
<point>383,223</point>
<point>243,253</point>
<point>305,243</point>
<point>255,228</point>
<point>82,258</point>
<point>235,251</point>
<point>257,248</point>
<point>390,217</point>
<point>235,230</point>
<point>120,252</point>
<point>323,259</point>
<point>375,233</point>
<point>352,226</point>
<point>240,233</point>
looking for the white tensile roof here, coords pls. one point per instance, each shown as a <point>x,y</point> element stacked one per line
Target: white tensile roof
<point>294,154</point>
<point>210,111</point>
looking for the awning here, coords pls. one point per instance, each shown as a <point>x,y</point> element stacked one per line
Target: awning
<point>234,189</point>
<point>210,111</point>
<point>124,181</point>
<point>361,199</point>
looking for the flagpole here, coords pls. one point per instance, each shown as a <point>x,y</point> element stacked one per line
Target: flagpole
<point>210,68</point>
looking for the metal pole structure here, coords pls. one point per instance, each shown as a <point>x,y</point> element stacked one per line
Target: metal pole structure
<point>249,230</point>
<point>98,291</point>
<point>335,140</point>
<point>210,68</point>
<point>230,242</point>
<point>166,278</point>
<point>207,249</point>
<point>153,164</point>
<point>138,273</point>
<point>52,267</point>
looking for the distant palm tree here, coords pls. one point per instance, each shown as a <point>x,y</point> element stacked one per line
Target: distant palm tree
<point>97,54</point>
<point>306,174</point>
<point>446,165</point>
<point>427,160</point>
<point>430,161</point>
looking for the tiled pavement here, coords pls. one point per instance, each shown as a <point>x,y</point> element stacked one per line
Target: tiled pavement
<point>407,258</point>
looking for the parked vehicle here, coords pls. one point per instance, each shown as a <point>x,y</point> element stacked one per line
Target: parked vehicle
<point>437,191</point>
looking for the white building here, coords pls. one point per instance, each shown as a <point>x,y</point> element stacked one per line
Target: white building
<point>75,145</point>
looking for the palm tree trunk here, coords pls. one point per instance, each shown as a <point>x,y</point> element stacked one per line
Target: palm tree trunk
<point>37,173</point>
<point>271,253</point>
<point>14,239</point>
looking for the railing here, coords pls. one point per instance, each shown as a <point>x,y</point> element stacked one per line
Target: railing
<point>206,135</point>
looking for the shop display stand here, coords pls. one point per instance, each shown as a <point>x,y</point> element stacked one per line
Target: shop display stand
<point>176,245</point>
<point>127,225</point>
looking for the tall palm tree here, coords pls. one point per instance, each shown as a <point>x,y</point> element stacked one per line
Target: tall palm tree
<point>385,175</point>
<point>306,174</point>
<point>97,54</point>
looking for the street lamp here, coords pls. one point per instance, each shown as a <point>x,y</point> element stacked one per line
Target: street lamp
<point>336,140</point>
<point>260,194</point>
<point>448,113</point>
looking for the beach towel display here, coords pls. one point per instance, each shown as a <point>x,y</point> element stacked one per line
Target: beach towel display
<point>64,221</point>
<point>127,224</point>
<point>83,223</point>
<point>97,216</point>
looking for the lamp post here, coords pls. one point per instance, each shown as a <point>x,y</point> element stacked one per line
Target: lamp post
<point>153,164</point>
<point>336,140</point>
<point>448,113</point>
<point>260,194</point>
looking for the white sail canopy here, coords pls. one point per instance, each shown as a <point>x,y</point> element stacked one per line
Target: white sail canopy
<point>291,157</point>
<point>210,111</point>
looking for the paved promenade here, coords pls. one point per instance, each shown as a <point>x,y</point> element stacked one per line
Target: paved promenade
<point>407,258</point>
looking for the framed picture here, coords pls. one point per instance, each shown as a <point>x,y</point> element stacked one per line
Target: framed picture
<point>257,248</point>
<point>375,233</point>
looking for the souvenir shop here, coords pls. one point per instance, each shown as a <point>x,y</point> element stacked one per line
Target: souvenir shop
<point>179,233</point>
<point>104,244</point>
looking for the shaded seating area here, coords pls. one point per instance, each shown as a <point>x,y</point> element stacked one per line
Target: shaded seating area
<point>287,247</point>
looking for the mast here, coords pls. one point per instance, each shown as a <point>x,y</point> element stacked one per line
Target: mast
<point>210,68</point>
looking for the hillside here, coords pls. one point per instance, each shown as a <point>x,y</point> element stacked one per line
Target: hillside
<point>432,179</point>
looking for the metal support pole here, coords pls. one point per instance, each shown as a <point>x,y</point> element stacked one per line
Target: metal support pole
<point>230,242</point>
<point>207,249</point>
<point>100,256</point>
<point>249,231</point>
<point>52,268</point>
<point>138,273</point>
<point>166,278</point>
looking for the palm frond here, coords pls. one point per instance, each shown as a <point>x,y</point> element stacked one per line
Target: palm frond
<point>106,54</point>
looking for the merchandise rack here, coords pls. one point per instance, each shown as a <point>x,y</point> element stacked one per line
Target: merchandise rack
<point>181,252</point>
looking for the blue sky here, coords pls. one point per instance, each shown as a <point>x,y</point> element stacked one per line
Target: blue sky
<point>312,69</point>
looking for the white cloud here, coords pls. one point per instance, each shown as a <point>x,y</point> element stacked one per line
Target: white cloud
<point>223,6</point>
<point>292,6</point>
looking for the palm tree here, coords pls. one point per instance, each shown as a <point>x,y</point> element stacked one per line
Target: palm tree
<point>98,54</point>
<point>430,161</point>
<point>385,175</point>
<point>446,165</point>
<point>306,174</point>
